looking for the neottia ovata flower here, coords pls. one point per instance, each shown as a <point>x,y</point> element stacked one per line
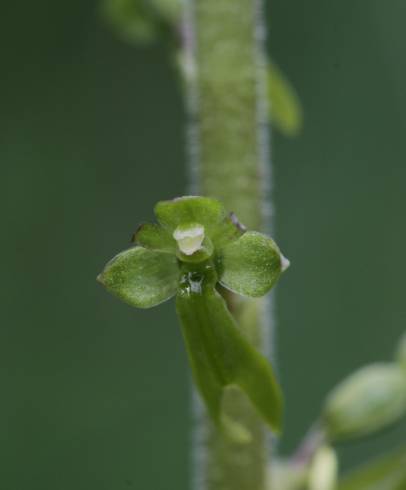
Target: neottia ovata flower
<point>196,246</point>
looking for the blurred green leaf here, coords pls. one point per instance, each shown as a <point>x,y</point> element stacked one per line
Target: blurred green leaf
<point>141,21</point>
<point>401,352</point>
<point>154,237</point>
<point>367,401</point>
<point>141,277</point>
<point>385,473</point>
<point>251,265</point>
<point>169,10</point>
<point>285,107</point>
<point>219,354</point>
<point>133,20</point>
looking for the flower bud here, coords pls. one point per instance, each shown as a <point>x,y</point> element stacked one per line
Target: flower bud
<point>366,401</point>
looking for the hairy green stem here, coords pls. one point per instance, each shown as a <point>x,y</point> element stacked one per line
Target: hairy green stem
<point>228,145</point>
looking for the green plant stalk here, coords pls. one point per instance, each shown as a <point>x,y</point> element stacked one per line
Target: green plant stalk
<point>229,148</point>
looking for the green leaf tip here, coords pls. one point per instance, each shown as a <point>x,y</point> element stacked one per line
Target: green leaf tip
<point>365,402</point>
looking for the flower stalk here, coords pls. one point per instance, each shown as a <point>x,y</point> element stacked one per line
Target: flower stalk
<point>229,148</point>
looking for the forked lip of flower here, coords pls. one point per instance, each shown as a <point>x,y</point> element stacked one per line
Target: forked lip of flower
<point>189,238</point>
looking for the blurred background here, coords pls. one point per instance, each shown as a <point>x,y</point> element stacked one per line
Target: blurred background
<point>94,394</point>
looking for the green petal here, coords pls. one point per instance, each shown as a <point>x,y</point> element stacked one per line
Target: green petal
<point>141,277</point>
<point>154,237</point>
<point>220,355</point>
<point>365,402</point>
<point>251,265</point>
<point>190,209</point>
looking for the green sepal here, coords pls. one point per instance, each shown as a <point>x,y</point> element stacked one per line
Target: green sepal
<point>141,277</point>
<point>190,209</point>
<point>365,402</point>
<point>285,108</point>
<point>154,237</point>
<point>387,472</point>
<point>251,265</point>
<point>219,354</point>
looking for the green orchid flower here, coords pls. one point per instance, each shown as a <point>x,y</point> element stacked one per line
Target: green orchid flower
<point>195,247</point>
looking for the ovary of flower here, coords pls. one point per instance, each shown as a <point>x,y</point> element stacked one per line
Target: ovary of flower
<point>189,238</point>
